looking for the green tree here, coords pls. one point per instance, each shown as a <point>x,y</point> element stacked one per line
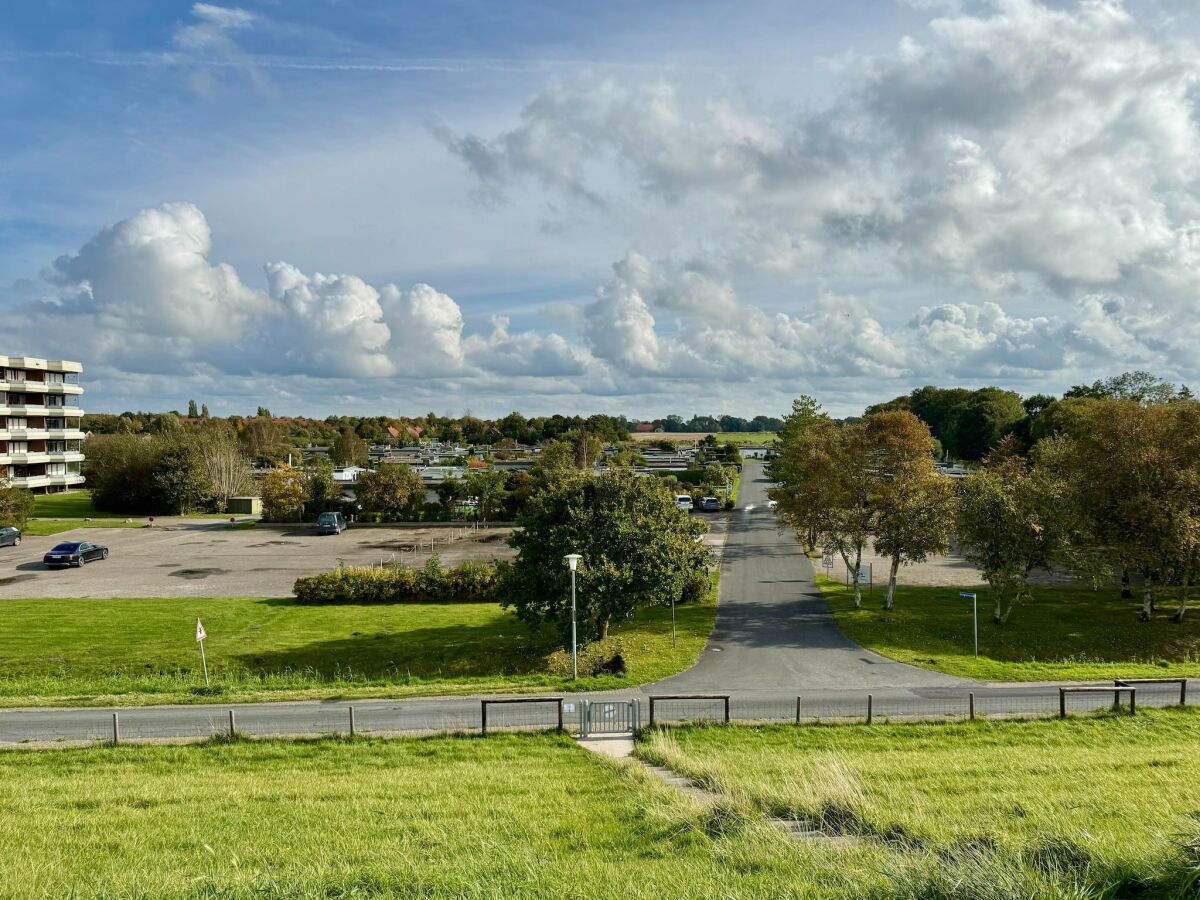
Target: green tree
<point>1010,522</point>
<point>449,493</point>
<point>180,480</point>
<point>319,487</point>
<point>283,494</point>
<point>16,504</point>
<point>349,450</point>
<point>914,504</point>
<point>227,471</point>
<point>204,410</point>
<point>391,491</point>
<point>639,549</point>
<point>193,412</point>
<point>851,515</point>
<point>988,415</point>
<point>486,488</point>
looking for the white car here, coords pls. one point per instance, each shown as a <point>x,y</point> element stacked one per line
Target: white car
<point>684,501</point>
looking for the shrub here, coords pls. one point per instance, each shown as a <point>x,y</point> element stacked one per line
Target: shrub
<point>605,657</point>
<point>696,588</point>
<point>469,583</point>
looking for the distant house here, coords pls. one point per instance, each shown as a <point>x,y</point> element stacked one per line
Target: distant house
<point>393,432</point>
<point>648,428</point>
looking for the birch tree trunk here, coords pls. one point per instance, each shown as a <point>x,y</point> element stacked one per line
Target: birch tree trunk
<point>891,591</point>
<point>1183,599</point>
<point>858,577</point>
<point>1147,601</point>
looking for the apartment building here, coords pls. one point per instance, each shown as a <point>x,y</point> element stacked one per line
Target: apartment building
<point>40,438</point>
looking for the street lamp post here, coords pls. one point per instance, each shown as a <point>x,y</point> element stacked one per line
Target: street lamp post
<point>573,561</point>
<point>975,616</point>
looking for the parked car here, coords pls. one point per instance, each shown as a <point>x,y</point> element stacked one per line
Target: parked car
<point>684,501</point>
<point>75,553</point>
<point>331,523</point>
<point>9,536</point>
<point>710,504</point>
<point>771,504</point>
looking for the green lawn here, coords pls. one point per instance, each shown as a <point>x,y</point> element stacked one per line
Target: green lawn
<point>69,505</point>
<point>1091,807</point>
<point>507,816</point>
<point>45,527</point>
<point>1064,633</point>
<point>136,651</point>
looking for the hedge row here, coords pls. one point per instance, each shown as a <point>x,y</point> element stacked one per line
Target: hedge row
<point>469,583</point>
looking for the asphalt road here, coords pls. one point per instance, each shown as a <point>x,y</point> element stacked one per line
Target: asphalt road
<point>774,633</point>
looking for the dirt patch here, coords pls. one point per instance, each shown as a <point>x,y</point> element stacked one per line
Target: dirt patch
<point>197,574</point>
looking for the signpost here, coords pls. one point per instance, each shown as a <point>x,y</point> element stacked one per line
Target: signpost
<point>975,616</point>
<point>200,636</point>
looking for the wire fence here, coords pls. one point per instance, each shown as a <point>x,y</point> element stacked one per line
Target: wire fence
<point>570,714</point>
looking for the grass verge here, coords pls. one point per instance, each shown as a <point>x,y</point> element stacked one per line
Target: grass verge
<point>141,651</point>
<point>1064,633</point>
<point>1098,807</point>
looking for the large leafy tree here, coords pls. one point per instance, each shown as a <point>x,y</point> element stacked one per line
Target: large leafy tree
<point>16,504</point>
<point>391,490</point>
<point>802,470</point>
<point>487,489</point>
<point>180,479</point>
<point>349,449</point>
<point>638,549</point>
<point>914,504</point>
<point>283,494</point>
<point>1010,521</point>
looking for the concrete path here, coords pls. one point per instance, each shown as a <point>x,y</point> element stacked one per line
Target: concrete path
<point>774,632</point>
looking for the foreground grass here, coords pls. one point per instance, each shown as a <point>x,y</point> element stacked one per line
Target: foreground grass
<point>506,816</point>
<point>139,651</point>
<point>1064,633</point>
<point>45,527</point>
<point>1101,807</point>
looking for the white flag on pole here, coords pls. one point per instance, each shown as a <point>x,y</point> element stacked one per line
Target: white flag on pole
<point>200,635</point>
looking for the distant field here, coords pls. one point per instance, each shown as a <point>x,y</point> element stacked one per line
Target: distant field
<point>1102,807</point>
<point>1063,633</point>
<point>727,437</point>
<point>136,651</point>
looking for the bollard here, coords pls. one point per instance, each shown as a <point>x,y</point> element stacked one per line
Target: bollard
<point>352,721</point>
<point>116,731</point>
<point>1062,703</point>
<point>231,724</point>
<point>870,703</point>
<point>797,710</point>
<point>971,705</point>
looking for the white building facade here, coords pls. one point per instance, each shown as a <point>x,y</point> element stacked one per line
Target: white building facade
<point>41,443</point>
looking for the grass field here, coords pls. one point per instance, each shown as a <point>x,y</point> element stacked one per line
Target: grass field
<point>509,816</point>
<point>1064,633</point>
<point>1099,807</point>
<point>69,505</point>
<point>136,651</point>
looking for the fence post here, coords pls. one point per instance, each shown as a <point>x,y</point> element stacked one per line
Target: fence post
<point>351,721</point>
<point>1133,701</point>
<point>870,704</point>
<point>560,715</point>
<point>726,709</point>
<point>651,712</point>
<point>971,705</point>
<point>1062,703</point>
<point>483,716</point>
<point>232,727</point>
<point>583,718</point>
<point>797,710</point>
<point>1183,692</point>
<point>116,730</point>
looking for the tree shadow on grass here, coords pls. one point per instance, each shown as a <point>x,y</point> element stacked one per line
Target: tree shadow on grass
<point>448,651</point>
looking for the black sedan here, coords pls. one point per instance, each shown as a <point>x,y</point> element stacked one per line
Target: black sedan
<point>9,536</point>
<point>75,553</point>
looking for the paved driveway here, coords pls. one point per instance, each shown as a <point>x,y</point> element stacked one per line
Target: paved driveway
<point>774,633</point>
<point>205,559</point>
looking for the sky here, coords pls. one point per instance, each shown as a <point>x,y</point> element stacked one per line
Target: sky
<point>330,207</point>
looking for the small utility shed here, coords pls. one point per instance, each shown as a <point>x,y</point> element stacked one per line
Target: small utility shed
<point>245,506</point>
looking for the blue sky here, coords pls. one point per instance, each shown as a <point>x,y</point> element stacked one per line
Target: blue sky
<point>628,207</point>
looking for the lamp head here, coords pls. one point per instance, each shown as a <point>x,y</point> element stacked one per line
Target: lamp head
<point>573,560</point>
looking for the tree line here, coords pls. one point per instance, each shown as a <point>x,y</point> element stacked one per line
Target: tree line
<point>1111,488</point>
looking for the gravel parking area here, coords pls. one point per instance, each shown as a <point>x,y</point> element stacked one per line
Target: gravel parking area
<point>206,559</point>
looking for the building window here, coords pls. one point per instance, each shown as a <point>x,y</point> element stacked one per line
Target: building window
<point>16,423</point>
<point>18,446</point>
<point>55,424</point>
<point>15,375</point>
<point>56,446</point>
<point>54,378</point>
<point>56,468</point>
<point>54,400</point>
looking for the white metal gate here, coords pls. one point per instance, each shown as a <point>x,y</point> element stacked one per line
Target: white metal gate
<point>609,717</point>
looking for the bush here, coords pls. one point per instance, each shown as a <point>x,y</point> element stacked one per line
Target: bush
<point>605,657</point>
<point>696,588</point>
<point>469,583</point>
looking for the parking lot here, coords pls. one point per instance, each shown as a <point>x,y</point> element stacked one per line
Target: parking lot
<point>207,559</point>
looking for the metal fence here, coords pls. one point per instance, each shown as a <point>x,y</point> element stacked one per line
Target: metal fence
<point>582,715</point>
